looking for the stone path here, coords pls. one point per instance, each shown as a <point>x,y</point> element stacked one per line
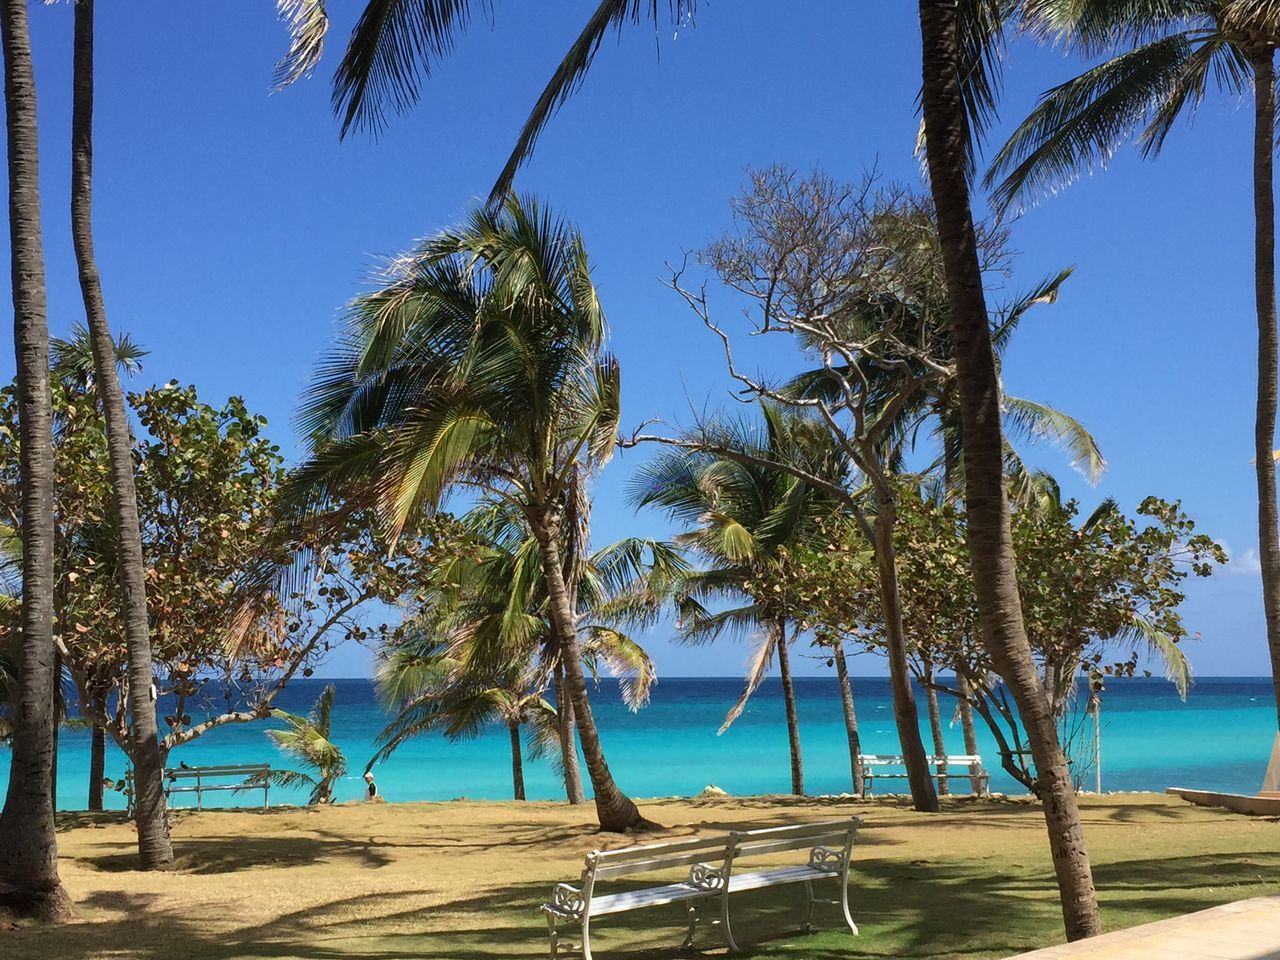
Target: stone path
<point>1244,930</point>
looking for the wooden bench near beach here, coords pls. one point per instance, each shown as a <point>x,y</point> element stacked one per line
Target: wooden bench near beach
<point>963,767</point>
<point>714,874</point>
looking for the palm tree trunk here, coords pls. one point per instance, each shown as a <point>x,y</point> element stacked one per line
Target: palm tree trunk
<point>1265,293</point>
<point>97,766</point>
<point>990,542</point>
<point>850,718</point>
<point>568,742</point>
<point>789,702</point>
<point>59,714</point>
<point>935,730</point>
<point>154,849</point>
<point>905,715</point>
<point>614,809</point>
<point>517,762</point>
<point>28,843</point>
<point>970,733</point>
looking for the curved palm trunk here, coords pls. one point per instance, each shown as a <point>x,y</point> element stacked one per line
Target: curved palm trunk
<point>850,719</point>
<point>1265,294</point>
<point>568,742</point>
<point>97,766</point>
<point>990,541</point>
<point>935,731</point>
<point>970,733</point>
<point>793,719</point>
<point>154,849</point>
<point>905,715</point>
<point>28,844</point>
<point>517,762</point>
<point>614,809</point>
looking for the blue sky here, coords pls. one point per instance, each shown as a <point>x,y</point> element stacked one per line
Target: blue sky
<point>232,225</point>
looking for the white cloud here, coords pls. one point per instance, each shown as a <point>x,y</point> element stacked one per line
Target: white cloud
<point>1243,564</point>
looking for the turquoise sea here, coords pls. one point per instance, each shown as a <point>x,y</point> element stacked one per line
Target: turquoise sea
<point>1220,737</point>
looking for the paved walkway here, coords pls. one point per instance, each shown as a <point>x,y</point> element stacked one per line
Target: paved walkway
<point>1244,930</point>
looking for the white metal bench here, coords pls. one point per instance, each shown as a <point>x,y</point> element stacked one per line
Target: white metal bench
<point>252,776</point>
<point>714,873</point>
<point>962,767</point>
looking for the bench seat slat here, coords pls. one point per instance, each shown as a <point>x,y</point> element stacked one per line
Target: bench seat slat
<point>648,897</point>
<point>757,879</point>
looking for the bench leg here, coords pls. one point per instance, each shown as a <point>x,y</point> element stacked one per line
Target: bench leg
<point>554,935</point>
<point>586,938</point>
<point>692,913</point>
<point>844,901</point>
<point>808,907</point>
<point>724,923</point>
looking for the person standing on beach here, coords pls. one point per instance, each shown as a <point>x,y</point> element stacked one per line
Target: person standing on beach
<point>371,792</point>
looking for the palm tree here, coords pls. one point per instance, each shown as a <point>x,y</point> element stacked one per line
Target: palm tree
<point>1170,53</point>
<point>28,844</point>
<point>431,690</point>
<point>309,740</point>
<point>151,816</point>
<point>483,641</point>
<point>479,365</point>
<point>739,516</point>
<point>959,47</point>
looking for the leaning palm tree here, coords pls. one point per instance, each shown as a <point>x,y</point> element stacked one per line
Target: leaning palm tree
<point>1168,56</point>
<point>960,51</point>
<point>309,741</point>
<point>478,365</point>
<point>739,516</point>
<point>28,843</point>
<point>151,816</point>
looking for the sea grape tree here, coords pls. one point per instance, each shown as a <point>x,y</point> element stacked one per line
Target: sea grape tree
<point>1101,595</point>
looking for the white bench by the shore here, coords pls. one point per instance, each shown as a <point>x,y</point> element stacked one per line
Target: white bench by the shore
<point>714,874</point>
<point>962,767</point>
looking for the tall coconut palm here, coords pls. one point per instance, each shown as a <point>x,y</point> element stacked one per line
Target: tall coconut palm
<point>28,844</point>
<point>738,516</point>
<point>150,812</point>
<point>959,44</point>
<point>479,365</point>
<point>1169,55</point>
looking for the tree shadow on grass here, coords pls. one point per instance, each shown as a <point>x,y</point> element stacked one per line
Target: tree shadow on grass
<point>985,908</point>
<point>212,855</point>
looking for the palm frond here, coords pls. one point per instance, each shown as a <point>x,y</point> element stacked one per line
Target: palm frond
<point>758,665</point>
<point>1039,420</point>
<point>307,22</point>
<point>1080,123</point>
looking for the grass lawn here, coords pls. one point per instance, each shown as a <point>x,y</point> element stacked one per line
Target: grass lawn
<point>462,880</point>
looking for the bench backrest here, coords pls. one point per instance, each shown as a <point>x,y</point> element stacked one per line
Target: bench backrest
<point>879,760</point>
<point>656,856</point>
<point>801,836</point>
<point>204,773</point>
<point>608,864</point>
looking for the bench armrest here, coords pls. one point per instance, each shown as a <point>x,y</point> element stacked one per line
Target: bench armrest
<point>826,859</point>
<point>568,899</point>
<point>707,877</point>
